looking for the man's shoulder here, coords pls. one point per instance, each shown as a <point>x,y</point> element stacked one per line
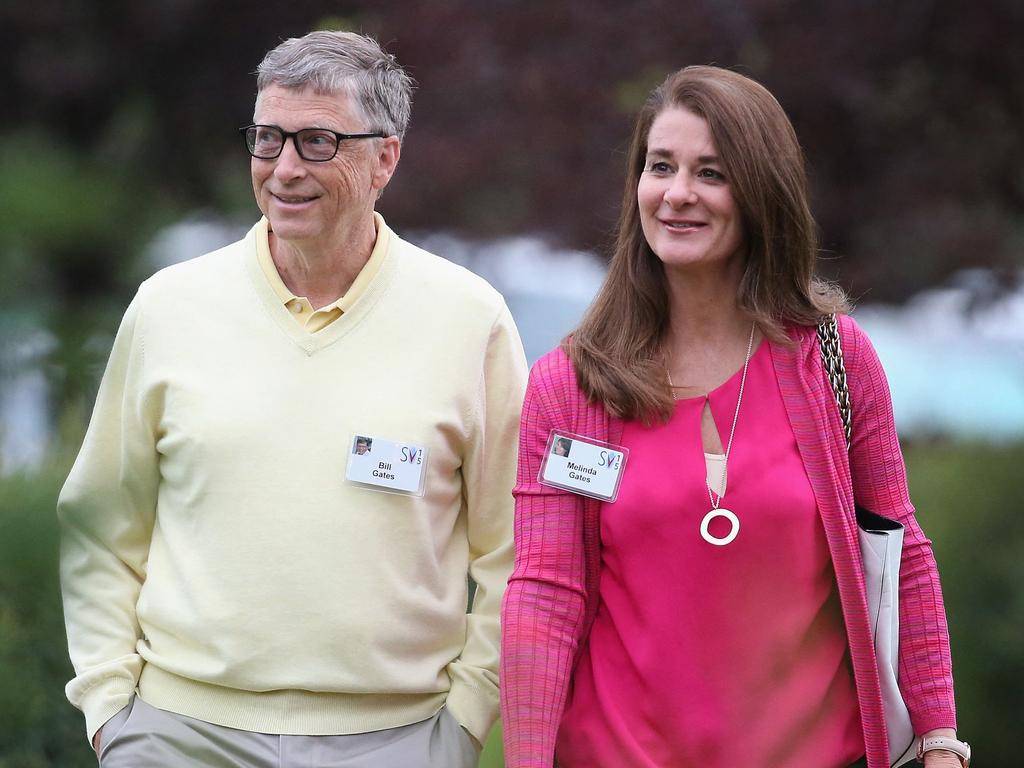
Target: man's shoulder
<point>212,271</point>
<point>443,280</point>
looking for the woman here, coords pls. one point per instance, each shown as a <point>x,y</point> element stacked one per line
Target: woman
<point>714,613</point>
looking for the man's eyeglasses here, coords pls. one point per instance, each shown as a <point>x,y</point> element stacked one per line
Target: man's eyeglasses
<point>318,145</point>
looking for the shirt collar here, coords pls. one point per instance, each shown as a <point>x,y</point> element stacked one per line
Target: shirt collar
<point>343,303</point>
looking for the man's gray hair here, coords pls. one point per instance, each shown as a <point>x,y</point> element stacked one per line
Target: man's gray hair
<point>344,62</point>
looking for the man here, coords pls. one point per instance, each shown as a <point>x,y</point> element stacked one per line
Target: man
<point>240,586</point>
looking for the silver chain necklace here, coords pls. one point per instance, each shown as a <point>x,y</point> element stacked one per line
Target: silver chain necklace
<point>716,508</point>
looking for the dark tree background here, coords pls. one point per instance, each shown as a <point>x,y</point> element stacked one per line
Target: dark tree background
<point>908,111</point>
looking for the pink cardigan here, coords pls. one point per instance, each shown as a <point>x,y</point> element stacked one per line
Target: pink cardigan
<point>552,594</point>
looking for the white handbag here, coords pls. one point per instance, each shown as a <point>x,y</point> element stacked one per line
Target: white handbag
<point>881,548</point>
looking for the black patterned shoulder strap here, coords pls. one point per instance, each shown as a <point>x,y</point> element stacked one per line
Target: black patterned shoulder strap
<point>832,359</point>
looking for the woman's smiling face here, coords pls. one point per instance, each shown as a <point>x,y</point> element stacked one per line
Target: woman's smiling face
<point>687,210</point>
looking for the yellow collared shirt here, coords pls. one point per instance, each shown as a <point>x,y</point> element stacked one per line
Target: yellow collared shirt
<point>299,307</point>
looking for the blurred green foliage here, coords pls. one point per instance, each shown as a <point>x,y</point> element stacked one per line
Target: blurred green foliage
<point>72,228</point>
<point>968,498</point>
<point>38,728</point>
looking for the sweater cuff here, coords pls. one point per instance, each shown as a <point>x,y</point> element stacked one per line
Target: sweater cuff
<point>474,709</point>
<point>104,700</point>
<point>928,721</point>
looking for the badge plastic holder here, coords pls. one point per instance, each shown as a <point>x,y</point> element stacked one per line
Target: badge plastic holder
<point>383,456</point>
<point>592,459</point>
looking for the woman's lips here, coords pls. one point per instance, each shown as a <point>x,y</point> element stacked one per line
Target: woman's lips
<point>683,225</point>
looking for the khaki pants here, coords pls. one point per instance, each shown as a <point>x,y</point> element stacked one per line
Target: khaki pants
<point>141,736</point>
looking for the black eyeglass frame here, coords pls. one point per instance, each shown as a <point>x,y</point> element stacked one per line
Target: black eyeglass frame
<point>294,136</point>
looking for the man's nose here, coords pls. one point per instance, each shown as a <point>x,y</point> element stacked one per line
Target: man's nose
<point>289,163</point>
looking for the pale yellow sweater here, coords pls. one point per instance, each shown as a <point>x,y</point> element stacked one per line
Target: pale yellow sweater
<point>215,559</point>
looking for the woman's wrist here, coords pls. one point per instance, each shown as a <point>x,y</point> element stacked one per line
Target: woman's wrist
<point>939,757</point>
<point>949,733</point>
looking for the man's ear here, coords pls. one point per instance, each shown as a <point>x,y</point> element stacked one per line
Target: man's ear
<point>389,149</point>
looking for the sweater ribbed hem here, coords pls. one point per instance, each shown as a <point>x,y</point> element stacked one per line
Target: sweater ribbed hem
<point>290,712</point>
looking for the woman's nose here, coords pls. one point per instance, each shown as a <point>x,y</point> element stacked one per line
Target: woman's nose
<point>681,191</point>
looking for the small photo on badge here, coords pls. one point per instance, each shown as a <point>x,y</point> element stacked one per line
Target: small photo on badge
<point>362,445</point>
<point>561,446</point>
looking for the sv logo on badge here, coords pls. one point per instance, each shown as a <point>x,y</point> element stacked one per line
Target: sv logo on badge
<point>411,455</point>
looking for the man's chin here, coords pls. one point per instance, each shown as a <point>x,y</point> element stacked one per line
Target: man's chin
<point>289,230</point>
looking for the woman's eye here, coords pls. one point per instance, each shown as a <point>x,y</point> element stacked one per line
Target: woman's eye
<point>711,173</point>
<point>658,167</point>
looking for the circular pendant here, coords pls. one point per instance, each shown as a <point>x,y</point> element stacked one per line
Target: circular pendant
<point>706,534</point>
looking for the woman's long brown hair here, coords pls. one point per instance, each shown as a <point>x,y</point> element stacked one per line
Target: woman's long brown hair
<point>617,349</point>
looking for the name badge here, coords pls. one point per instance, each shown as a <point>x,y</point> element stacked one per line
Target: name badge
<point>584,466</point>
<point>382,465</point>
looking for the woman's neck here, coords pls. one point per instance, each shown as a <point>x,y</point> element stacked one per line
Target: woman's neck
<point>704,309</point>
<point>707,336</point>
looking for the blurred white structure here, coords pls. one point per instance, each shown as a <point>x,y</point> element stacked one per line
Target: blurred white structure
<point>955,358</point>
<point>25,423</point>
<point>954,355</point>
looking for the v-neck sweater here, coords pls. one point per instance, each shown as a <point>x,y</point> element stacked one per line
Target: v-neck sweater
<point>215,558</point>
<point>553,597</point>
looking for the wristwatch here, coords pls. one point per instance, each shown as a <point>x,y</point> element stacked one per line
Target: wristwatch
<point>959,748</point>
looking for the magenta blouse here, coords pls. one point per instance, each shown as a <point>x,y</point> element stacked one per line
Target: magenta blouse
<point>554,593</point>
<point>697,651</point>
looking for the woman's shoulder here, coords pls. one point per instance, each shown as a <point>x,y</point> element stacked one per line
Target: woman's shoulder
<point>858,351</point>
<point>555,367</point>
<point>802,355</point>
<point>553,380</point>
<point>857,347</point>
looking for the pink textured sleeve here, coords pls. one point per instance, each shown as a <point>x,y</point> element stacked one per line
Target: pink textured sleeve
<point>880,484</point>
<point>543,610</point>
